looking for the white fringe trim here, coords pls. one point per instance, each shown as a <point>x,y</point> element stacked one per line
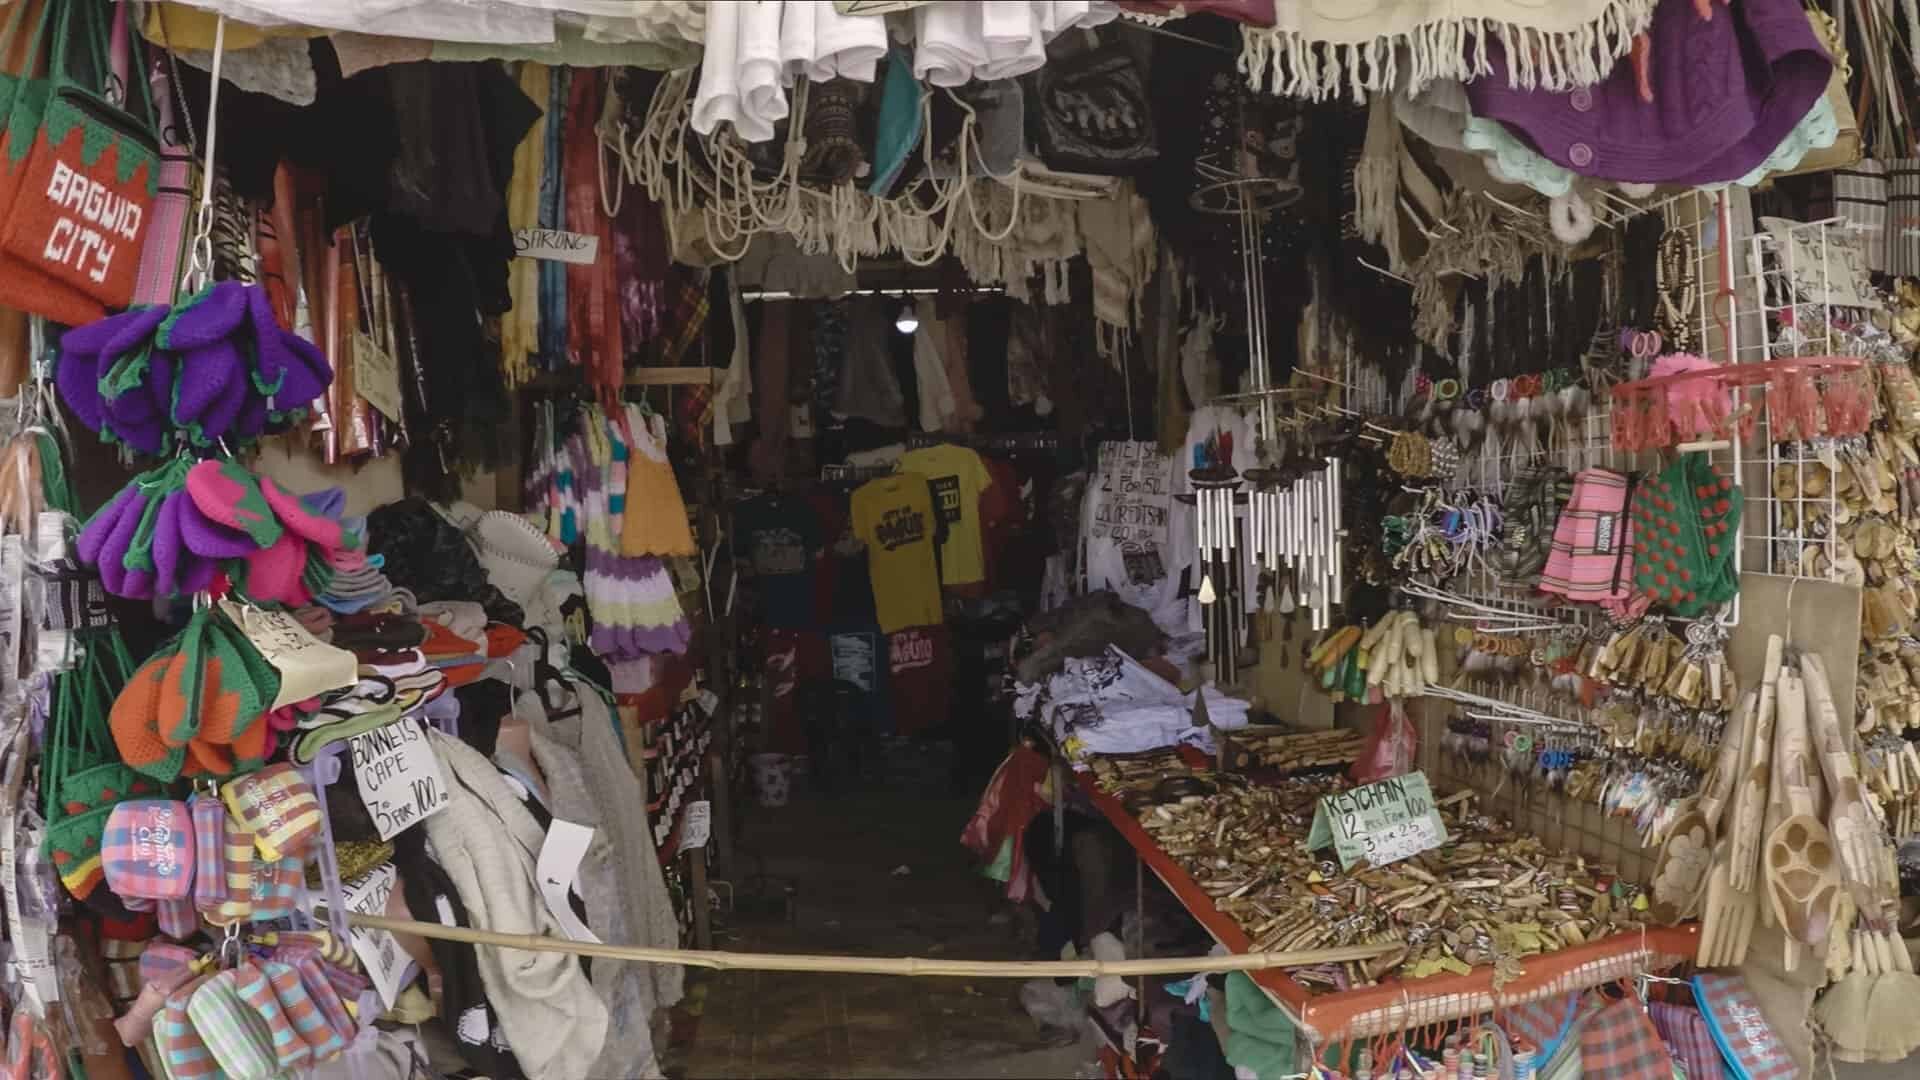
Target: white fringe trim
<point>1290,63</point>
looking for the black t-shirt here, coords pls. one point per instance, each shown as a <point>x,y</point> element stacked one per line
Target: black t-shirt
<point>779,536</point>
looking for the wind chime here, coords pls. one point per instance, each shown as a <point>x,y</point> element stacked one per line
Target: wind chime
<point>1293,512</point>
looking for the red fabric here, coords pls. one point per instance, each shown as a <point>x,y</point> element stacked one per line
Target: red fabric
<point>503,639</point>
<point>920,678</point>
<point>999,514</point>
<point>1013,798</point>
<point>593,305</point>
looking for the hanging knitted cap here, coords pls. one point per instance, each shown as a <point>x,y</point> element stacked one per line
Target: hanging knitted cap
<point>332,502</point>
<point>236,685</point>
<point>279,806</point>
<point>93,536</point>
<point>135,718</point>
<point>208,316</point>
<point>290,370</point>
<point>209,388</point>
<point>228,494</point>
<point>300,519</point>
<point>84,356</point>
<point>274,573</point>
<point>167,545</point>
<point>147,850</point>
<point>210,539</point>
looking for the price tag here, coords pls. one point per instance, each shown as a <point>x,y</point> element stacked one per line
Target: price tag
<point>698,826</point>
<point>555,245</point>
<point>398,775</point>
<point>1381,823</point>
<point>376,377</point>
<point>379,951</point>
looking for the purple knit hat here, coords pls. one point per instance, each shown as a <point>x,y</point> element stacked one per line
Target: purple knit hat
<point>211,539</point>
<point>210,315</point>
<point>1727,91</point>
<point>205,375</point>
<point>291,371</point>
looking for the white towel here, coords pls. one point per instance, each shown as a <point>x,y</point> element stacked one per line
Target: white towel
<point>1012,30</point>
<point>763,97</point>
<point>851,46</point>
<point>949,45</point>
<point>798,57</point>
<point>740,70</point>
<point>718,97</point>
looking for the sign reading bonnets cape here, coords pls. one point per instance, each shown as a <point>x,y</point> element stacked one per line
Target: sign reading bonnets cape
<point>1381,823</point>
<point>399,777</point>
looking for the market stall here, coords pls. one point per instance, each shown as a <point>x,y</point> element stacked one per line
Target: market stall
<point>1423,502</point>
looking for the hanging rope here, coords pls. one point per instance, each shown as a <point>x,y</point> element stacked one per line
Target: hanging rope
<point>879,965</point>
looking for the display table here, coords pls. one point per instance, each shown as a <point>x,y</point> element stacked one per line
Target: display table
<point>1396,1005</point>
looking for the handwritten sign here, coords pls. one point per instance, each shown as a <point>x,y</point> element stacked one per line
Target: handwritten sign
<point>376,377</point>
<point>556,245</point>
<point>1381,823</point>
<point>698,826</point>
<point>379,951</point>
<point>1824,266</point>
<point>399,777</point>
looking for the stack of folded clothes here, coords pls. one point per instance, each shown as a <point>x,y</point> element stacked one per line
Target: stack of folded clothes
<point>407,661</point>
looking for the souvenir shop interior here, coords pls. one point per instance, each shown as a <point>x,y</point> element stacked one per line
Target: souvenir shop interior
<point>1216,540</point>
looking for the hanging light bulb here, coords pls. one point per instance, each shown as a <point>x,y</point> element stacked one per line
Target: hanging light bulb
<point>908,320</point>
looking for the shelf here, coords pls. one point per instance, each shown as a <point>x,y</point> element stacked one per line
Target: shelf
<point>1396,1005</point>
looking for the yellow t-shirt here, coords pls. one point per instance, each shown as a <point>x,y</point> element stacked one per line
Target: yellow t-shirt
<point>894,516</point>
<point>958,477</point>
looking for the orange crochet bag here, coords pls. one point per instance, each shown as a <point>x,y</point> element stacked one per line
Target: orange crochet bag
<point>79,192</point>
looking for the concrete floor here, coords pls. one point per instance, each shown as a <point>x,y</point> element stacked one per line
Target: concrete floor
<point>839,855</point>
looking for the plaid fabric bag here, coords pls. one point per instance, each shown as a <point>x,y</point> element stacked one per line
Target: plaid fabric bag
<point>1903,217</point>
<point>1689,1040</point>
<point>1749,1047</point>
<point>280,808</point>
<point>234,1033</point>
<point>147,849</point>
<point>276,888</point>
<point>1860,200</point>
<point>238,866</point>
<point>181,1049</point>
<point>1619,1042</point>
<point>289,1048</point>
<point>1542,1023</point>
<point>303,1011</point>
<point>1590,559</point>
<point>209,852</point>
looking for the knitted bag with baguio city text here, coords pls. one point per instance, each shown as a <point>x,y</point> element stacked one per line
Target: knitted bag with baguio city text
<point>80,190</point>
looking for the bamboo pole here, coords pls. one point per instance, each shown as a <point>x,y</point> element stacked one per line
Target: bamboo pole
<point>878,965</point>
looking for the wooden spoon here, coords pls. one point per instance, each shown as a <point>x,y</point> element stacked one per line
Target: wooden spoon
<point>1802,869</point>
<point>1680,875</point>
<point>1752,801</point>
